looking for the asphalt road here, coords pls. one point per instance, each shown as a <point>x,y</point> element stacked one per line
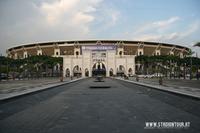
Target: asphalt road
<point>78,108</point>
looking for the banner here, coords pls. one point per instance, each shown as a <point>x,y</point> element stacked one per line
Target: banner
<point>99,47</point>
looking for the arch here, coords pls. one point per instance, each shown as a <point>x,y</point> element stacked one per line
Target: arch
<point>67,72</point>
<point>111,72</point>
<point>130,72</point>
<point>120,53</point>
<point>120,70</point>
<point>56,67</point>
<point>77,71</point>
<point>56,70</point>
<point>99,69</point>
<point>77,53</point>
<point>86,72</point>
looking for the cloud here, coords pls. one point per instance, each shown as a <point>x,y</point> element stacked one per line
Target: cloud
<point>107,18</point>
<point>49,20</point>
<point>70,13</point>
<point>165,23</point>
<point>54,11</point>
<point>114,15</point>
<point>158,25</point>
<point>191,29</point>
<point>152,31</point>
<point>158,37</point>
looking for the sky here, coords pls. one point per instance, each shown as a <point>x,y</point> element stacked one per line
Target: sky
<point>164,21</point>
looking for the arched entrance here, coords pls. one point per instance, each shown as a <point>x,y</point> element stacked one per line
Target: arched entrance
<point>111,72</point>
<point>130,72</point>
<point>86,72</point>
<point>99,69</point>
<point>67,73</point>
<point>120,70</point>
<point>56,70</point>
<point>77,71</point>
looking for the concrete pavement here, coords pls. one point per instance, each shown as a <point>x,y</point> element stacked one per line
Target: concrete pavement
<point>76,108</point>
<point>12,89</point>
<point>183,87</point>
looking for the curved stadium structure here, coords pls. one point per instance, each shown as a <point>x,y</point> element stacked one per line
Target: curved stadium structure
<point>86,56</point>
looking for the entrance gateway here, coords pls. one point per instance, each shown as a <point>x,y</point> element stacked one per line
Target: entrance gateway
<point>98,59</point>
<point>90,60</point>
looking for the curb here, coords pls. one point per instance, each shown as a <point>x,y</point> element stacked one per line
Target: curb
<point>162,88</point>
<point>32,91</point>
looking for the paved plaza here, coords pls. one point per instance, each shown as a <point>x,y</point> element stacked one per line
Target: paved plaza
<point>189,88</point>
<point>77,108</point>
<point>11,86</point>
<point>182,83</point>
<point>15,88</point>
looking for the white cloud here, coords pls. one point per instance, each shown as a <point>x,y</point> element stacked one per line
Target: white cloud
<point>107,19</point>
<point>70,13</point>
<point>152,31</point>
<point>43,21</point>
<point>55,10</point>
<point>192,28</point>
<point>158,37</point>
<point>114,16</point>
<point>166,23</point>
<point>157,25</point>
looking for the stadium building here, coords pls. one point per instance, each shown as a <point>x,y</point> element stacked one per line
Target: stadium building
<point>83,58</point>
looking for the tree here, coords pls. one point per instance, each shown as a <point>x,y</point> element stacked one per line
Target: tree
<point>29,67</point>
<point>159,64</point>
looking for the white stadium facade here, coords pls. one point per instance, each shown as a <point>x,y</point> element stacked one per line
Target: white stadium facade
<point>112,57</point>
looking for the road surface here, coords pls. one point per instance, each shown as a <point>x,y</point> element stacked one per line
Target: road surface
<point>78,108</point>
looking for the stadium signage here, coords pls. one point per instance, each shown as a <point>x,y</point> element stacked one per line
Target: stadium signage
<point>99,47</point>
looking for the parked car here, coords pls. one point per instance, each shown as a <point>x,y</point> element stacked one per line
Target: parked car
<point>141,76</point>
<point>3,76</point>
<point>157,75</point>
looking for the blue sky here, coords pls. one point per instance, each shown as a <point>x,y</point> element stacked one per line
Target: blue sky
<point>30,21</point>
